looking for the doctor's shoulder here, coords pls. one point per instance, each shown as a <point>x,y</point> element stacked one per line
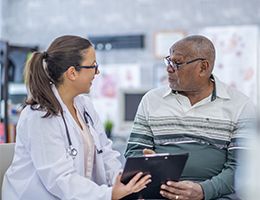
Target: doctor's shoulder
<point>32,113</point>
<point>33,118</point>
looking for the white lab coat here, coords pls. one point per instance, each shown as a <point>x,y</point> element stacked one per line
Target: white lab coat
<point>42,169</point>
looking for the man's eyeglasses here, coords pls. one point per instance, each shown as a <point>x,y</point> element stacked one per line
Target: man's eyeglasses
<point>176,66</point>
<point>95,66</point>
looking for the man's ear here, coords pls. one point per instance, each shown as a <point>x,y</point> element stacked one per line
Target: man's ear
<point>71,73</point>
<point>204,68</point>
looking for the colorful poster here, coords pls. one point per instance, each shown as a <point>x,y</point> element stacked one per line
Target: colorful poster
<point>2,133</point>
<point>160,76</point>
<point>236,56</point>
<point>106,86</point>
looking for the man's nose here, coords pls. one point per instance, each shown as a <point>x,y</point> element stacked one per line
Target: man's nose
<point>170,69</point>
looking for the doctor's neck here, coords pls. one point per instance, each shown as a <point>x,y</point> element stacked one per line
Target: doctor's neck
<point>67,95</point>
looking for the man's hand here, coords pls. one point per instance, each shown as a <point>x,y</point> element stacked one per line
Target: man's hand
<point>148,151</point>
<point>182,190</point>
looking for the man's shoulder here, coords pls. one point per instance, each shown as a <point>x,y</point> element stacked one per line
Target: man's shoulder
<point>226,91</point>
<point>236,95</point>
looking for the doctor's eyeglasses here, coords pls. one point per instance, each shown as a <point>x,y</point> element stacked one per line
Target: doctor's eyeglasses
<point>95,66</point>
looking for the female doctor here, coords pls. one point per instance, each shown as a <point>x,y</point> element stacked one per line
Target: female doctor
<point>61,149</point>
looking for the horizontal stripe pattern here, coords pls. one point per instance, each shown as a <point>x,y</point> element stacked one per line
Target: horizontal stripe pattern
<point>171,130</point>
<point>170,120</point>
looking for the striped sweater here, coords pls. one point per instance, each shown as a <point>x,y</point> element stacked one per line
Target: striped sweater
<point>212,131</point>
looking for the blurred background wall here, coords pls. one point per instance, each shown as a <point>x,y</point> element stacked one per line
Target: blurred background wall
<point>37,22</point>
<point>1,18</point>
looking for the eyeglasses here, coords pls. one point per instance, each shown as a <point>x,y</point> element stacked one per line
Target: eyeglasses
<point>176,66</point>
<point>95,66</point>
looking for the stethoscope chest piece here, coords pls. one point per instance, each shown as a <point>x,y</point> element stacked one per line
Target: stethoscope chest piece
<point>72,151</point>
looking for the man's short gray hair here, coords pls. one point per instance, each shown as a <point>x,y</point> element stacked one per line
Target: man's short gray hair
<point>202,47</point>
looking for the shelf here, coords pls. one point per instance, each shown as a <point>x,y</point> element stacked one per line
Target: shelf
<point>17,89</point>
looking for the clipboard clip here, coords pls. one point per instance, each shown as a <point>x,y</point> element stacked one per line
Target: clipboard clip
<point>156,154</point>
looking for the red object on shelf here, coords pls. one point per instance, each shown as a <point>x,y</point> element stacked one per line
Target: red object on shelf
<point>2,133</point>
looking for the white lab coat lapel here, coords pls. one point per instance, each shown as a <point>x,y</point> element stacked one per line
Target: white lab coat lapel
<point>80,105</point>
<point>72,122</point>
<point>99,175</point>
<point>74,132</point>
<point>99,172</point>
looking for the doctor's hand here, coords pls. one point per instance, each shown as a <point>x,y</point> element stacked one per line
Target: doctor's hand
<point>182,190</point>
<point>136,184</point>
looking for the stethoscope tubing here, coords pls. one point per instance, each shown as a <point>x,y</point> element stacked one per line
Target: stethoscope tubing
<point>67,130</point>
<point>71,150</point>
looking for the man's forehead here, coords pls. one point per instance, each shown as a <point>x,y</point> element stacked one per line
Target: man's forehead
<point>181,49</point>
<point>178,51</point>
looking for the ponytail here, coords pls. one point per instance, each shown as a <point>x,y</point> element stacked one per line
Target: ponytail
<point>41,96</point>
<point>44,69</point>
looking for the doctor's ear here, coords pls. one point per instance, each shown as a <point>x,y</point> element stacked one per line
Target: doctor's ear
<point>71,73</point>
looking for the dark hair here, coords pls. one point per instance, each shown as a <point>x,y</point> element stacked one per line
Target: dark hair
<point>48,67</point>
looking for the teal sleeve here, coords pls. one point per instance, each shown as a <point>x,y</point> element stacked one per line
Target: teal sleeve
<point>223,183</point>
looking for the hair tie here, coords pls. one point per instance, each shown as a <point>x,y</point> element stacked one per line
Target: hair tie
<point>45,68</point>
<point>45,55</point>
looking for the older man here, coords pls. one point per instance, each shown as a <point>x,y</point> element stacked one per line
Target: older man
<point>197,114</point>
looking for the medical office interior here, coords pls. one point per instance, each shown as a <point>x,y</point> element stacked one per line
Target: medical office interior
<point>131,38</point>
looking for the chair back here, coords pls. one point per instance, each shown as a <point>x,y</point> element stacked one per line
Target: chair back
<point>6,157</point>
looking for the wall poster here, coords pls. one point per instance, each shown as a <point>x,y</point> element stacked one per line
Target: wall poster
<point>106,87</point>
<point>236,56</point>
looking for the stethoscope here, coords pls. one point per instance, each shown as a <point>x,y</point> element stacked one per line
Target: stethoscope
<point>72,151</point>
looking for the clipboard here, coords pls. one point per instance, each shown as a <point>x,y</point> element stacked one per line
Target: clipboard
<point>162,167</point>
